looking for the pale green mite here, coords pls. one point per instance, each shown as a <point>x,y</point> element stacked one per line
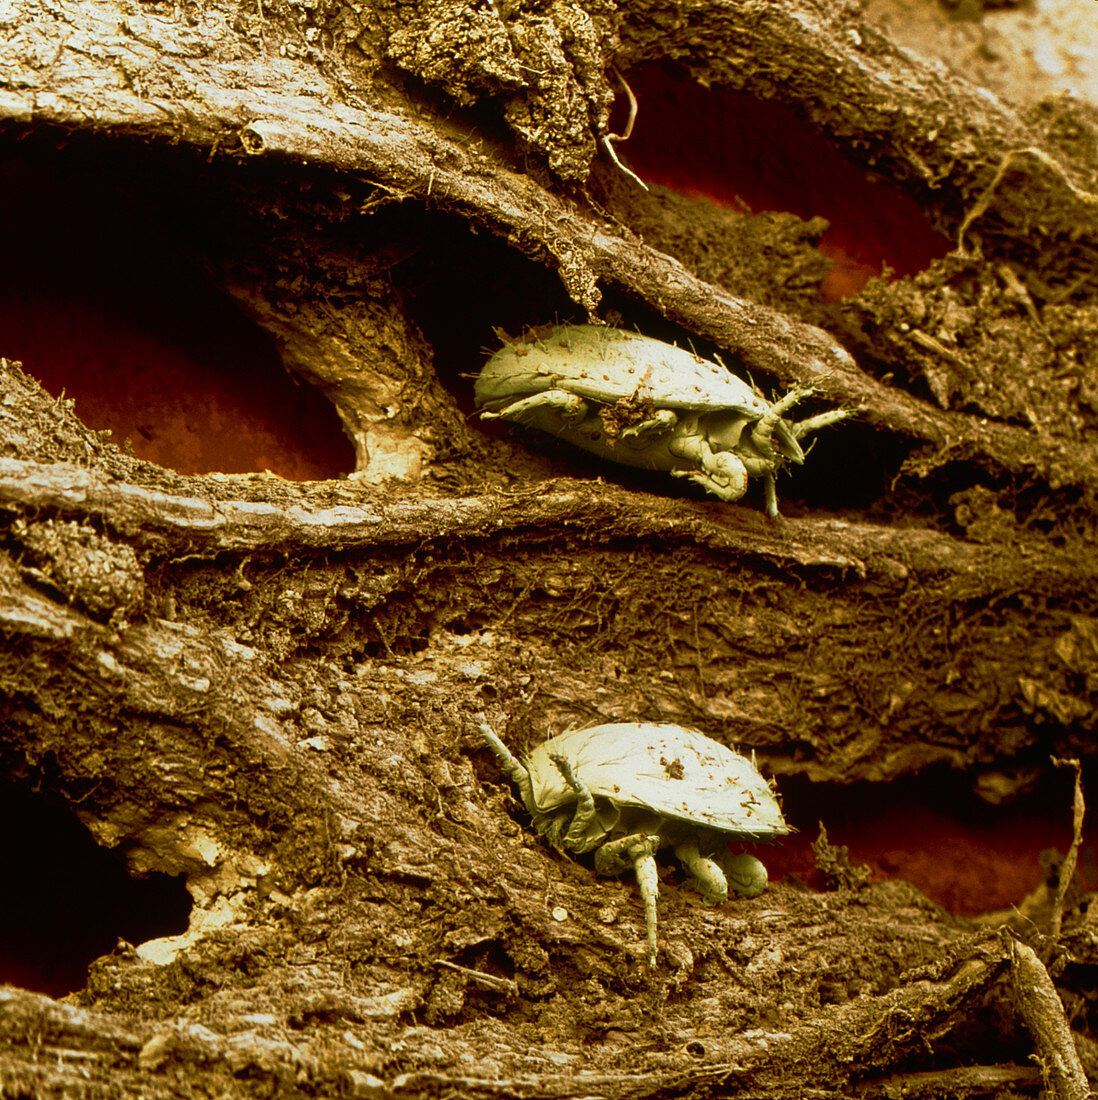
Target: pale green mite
<point>638,401</point>
<point>628,789</point>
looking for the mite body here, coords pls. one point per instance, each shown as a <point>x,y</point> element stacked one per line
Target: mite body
<point>640,402</point>
<point>628,789</point>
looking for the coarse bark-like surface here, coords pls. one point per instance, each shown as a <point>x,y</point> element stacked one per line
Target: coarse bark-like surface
<point>271,688</point>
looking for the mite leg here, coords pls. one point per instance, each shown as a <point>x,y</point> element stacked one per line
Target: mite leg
<point>815,423</point>
<point>641,435</point>
<point>706,877</point>
<point>639,851</point>
<point>721,472</point>
<point>772,420</point>
<point>771,495</point>
<point>746,874</point>
<point>576,839</point>
<point>571,407</point>
<point>517,772</point>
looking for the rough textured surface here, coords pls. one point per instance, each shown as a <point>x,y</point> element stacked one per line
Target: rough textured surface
<point>1021,52</point>
<point>270,687</point>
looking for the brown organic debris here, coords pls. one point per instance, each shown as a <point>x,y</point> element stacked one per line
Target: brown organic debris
<point>269,687</point>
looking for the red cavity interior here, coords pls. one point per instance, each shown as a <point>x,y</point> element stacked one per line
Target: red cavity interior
<point>98,300</point>
<point>933,831</point>
<point>738,150</point>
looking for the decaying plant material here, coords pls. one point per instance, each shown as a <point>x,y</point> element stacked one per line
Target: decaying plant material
<point>270,687</point>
